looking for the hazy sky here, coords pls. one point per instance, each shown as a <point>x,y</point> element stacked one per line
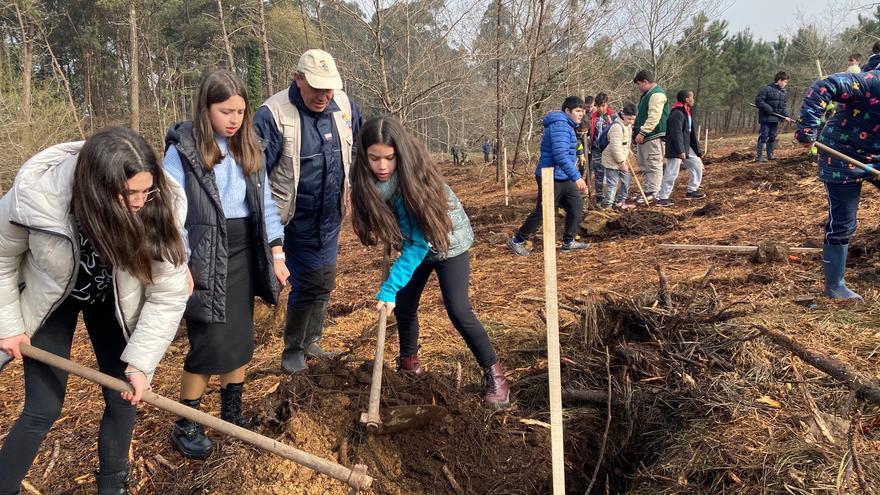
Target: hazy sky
<point>769,18</point>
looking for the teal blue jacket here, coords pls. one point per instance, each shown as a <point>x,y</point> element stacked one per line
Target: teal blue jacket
<point>416,249</point>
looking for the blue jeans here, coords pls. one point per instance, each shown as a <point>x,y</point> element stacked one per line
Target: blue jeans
<point>615,182</point>
<point>598,172</point>
<point>768,132</point>
<point>843,204</point>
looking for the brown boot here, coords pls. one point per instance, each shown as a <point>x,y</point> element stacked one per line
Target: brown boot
<point>410,364</point>
<point>497,391</point>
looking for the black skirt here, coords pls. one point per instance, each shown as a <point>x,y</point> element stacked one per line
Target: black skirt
<point>217,348</point>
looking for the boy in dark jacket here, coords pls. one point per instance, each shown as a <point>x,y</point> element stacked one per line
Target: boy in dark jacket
<point>771,100</point>
<point>558,150</point>
<point>682,148</point>
<point>874,61</point>
<point>852,130</point>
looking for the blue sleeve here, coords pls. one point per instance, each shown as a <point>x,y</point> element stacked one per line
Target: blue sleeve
<point>264,126</point>
<point>843,87</point>
<point>560,144</point>
<point>413,251</point>
<point>274,228</point>
<point>172,164</point>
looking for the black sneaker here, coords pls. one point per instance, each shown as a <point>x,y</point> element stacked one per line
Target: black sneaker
<point>695,195</point>
<point>664,202</point>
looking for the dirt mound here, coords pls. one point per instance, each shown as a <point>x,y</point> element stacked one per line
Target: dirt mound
<point>736,156</point>
<point>708,210</point>
<point>641,222</point>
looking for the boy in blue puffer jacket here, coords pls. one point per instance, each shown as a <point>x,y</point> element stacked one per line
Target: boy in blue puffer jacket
<point>853,131</point>
<point>558,150</point>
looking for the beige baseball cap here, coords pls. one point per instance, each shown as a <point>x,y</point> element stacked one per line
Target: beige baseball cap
<point>319,69</point>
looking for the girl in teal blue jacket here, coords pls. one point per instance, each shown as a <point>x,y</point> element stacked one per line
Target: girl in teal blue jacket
<point>399,197</point>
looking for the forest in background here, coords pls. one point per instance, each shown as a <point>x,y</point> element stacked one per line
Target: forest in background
<point>455,71</point>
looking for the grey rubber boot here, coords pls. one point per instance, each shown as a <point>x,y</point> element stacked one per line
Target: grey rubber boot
<point>293,359</point>
<point>770,147</point>
<point>760,157</point>
<point>314,332</point>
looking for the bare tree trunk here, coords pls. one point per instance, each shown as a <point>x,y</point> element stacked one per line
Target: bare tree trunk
<point>57,67</point>
<point>88,90</point>
<point>230,61</point>
<point>27,66</point>
<point>302,11</point>
<point>533,60</point>
<point>499,143</point>
<point>321,25</point>
<point>135,90</point>
<point>266,61</point>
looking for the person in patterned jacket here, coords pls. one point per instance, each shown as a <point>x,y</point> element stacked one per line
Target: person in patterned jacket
<point>853,130</point>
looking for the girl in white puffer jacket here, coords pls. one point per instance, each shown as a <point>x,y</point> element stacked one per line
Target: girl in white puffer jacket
<point>91,228</point>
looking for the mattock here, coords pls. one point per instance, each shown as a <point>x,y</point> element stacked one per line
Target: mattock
<point>355,477</point>
<point>397,418</point>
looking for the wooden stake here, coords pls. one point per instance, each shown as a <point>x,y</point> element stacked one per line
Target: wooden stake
<point>635,175</point>
<point>551,309</point>
<point>504,170</point>
<point>819,68</point>
<point>706,143</point>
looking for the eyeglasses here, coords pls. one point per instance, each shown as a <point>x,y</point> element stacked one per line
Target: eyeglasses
<point>146,196</point>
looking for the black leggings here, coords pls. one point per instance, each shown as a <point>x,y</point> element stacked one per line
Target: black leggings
<point>453,275</point>
<point>45,387</point>
<point>566,195</point>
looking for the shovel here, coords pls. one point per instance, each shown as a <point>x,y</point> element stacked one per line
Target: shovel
<point>397,418</point>
<point>355,477</point>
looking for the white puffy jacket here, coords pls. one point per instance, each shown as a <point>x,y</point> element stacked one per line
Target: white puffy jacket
<point>38,258</point>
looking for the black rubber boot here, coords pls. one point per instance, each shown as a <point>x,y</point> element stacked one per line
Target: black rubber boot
<point>293,359</point>
<point>188,437</point>
<point>112,484</point>
<point>230,405</point>
<point>770,146</point>
<point>760,150</point>
<point>314,332</point>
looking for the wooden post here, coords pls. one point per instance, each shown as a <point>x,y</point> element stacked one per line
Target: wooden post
<point>706,143</point>
<point>552,312</point>
<point>504,171</point>
<point>819,68</point>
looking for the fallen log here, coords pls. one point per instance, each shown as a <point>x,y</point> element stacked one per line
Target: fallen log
<point>864,387</point>
<point>730,249</point>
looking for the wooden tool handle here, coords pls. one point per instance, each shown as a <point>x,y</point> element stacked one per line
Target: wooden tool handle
<point>356,478</point>
<point>371,418</point>
<point>848,159</point>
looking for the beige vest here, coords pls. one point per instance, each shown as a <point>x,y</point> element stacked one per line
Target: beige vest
<point>284,178</point>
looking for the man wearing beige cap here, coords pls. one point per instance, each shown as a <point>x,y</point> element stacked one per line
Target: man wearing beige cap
<point>308,133</point>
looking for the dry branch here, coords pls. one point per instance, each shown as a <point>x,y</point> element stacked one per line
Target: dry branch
<point>864,387</point>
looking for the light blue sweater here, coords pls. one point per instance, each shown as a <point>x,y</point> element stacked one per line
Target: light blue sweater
<point>232,187</point>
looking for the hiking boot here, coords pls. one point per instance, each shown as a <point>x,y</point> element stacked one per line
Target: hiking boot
<point>112,484</point>
<point>517,247</point>
<point>410,364</point>
<point>694,195</point>
<point>574,246</point>
<point>230,404</point>
<point>293,358</point>
<point>314,332</point>
<point>188,437</point>
<point>665,202</point>
<point>496,391</point>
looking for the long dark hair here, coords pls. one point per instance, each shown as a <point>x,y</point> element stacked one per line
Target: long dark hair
<point>127,240</point>
<point>218,86</point>
<point>421,187</point>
